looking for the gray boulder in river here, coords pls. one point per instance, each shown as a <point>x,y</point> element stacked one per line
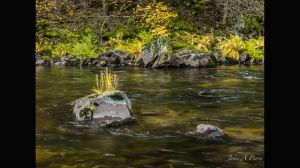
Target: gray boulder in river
<point>192,59</point>
<point>206,132</point>
<point>42,62</point>
<point>182,59</point>
<point>113,57</point>
<point>109,109</point>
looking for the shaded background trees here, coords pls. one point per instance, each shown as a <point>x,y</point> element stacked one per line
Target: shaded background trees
<point>241,16</point>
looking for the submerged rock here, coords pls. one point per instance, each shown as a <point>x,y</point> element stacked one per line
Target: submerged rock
<point>206,132</point>
<point>221,94</point>
<point>208,94</point>
<point>109,109</point>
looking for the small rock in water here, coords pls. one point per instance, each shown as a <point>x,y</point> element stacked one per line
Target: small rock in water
<point>110,154</point>
<point>149,113</point>
<point>220,94</point>
<point>42,62</point>
<point>207,132</point>
<point>251,77</point>
<point>207,94</point>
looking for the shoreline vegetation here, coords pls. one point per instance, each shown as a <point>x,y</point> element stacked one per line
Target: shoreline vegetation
<point>149,33</point>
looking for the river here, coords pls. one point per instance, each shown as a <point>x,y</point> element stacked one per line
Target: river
<point>166,104</point>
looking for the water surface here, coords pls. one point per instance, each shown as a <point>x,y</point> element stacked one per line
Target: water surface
<point>166,104</point>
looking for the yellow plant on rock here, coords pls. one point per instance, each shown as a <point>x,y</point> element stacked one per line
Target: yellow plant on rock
<point>156,17</point>
<point>106,82</point>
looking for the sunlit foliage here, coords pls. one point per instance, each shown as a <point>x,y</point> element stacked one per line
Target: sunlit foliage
<point>230,47</point>
<point>157,17</point>
<point>193,41</point>
<point>105,82</point>
<point>255,49</point>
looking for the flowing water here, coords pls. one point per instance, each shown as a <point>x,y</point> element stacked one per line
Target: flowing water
<point>166,104</point>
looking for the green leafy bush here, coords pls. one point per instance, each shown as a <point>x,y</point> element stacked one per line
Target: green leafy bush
<point>230,47</point>
<point>253,26</point>
<point>132,46</point>
<point>255,49</point>
<point>83,50</point>
<point>61,50</point>
<point>86,47</point>
<point>145,37</point>
<point>192,41</point>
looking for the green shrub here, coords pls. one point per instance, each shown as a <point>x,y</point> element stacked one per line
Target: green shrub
<point>42,44</point>
<point>179,45</point>
<point>231,47</point>
<point>252,25</point>
<point>192,41</point>
<point>255,49</point>
<point>181,24</point>
<point>132,46</point>
<point>86,47</point>
<point>126,33</point>
<point>83,50</point>
<point>145,37</point>
<point>61,50</point>
<point>41,26</point>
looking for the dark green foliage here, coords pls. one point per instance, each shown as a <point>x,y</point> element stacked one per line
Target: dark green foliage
<point>88,110</point>
<point>253,26</point>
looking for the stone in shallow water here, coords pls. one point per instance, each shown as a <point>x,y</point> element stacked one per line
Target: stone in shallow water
<point>221,94</point>
<point>146,113</point>
<point>207,132</point>
<point>110,109</point>
<point>190,58</point>
<point>42,62</point>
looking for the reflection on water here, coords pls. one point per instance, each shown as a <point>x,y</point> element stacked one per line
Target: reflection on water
<point>166,104</point>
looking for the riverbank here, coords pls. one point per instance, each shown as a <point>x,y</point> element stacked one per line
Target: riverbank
<point>154,34</point>
<point>182,59</point>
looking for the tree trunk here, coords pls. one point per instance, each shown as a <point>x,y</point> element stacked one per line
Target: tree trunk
<point>215,17</point>
<point>225,13</point>
<point>104,6</point>
<point>76,2</point>
<point>101,32</point>
<point>57,6</point>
